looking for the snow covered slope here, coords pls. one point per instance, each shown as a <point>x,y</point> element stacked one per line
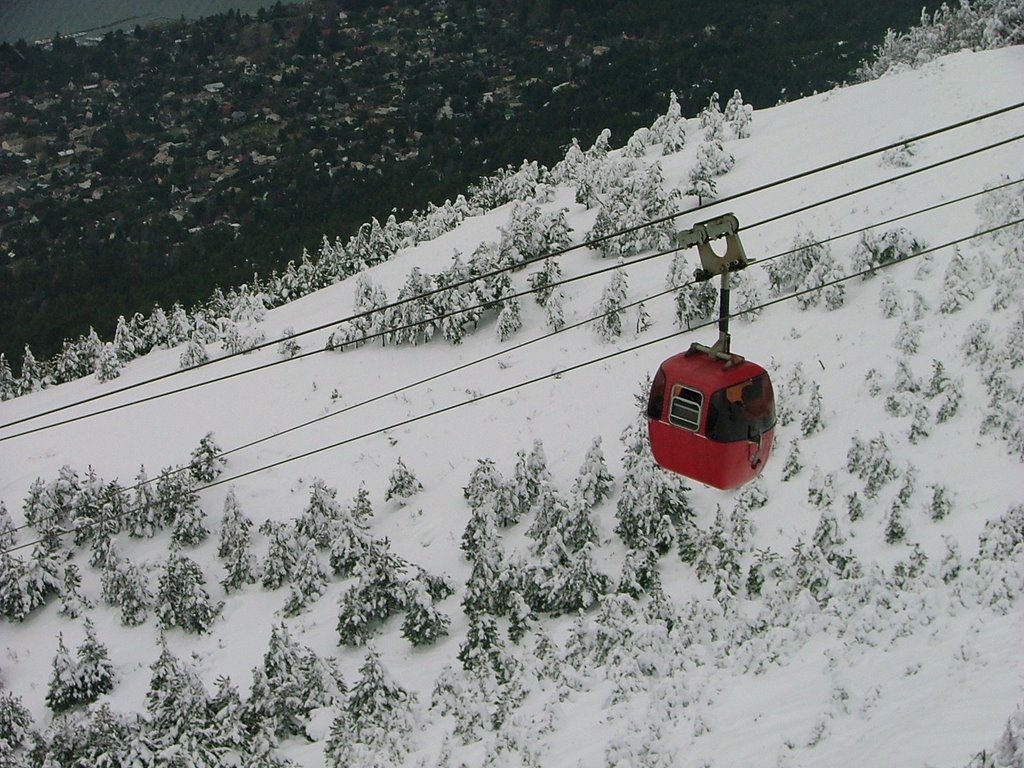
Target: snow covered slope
<point>890,657</point>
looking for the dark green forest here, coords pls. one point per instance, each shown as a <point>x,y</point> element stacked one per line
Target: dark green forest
<point>168,192</point>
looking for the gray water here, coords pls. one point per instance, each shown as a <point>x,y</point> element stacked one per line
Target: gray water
<point>40,19</point>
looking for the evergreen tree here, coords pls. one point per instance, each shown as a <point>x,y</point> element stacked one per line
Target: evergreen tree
<point>182,599</point>
<point>695,303</point>
<point>957,284</point>
<point>94,674</point>
<point>108,366</point>
<point>854,507</point>
<point>282,554</point>
<point>98,737</point>
<point>594,483</point>
<point>235,527</point>
<point>670,129</point>
<point>873,463</point>
<point>530,476</point>
<point>890,298</point>
<point>424,623</point>
<point>72,602</point>
<point>194,354</point>
<point>126,586</point>
<point>361,508</point>
<point>482,646</point>
<point>402,484</point>
<point>32,378</point>
<point>377,595</point>
<point>793,463</point>
<point>350,539</point>
<point>820,271</point>
<point>178,708</point>
<point>206,461</point>
<point>610,308</point>
<point>895,527</point>
<point>520,617</point>
<point>187,517</point>
<point>292,682</point>
<point>554,311</point>
<point>941,502</point>
<point>15,724</point>
<point>949,390</point>
<point>234,545</point>
<point>738,115</point>
<point>125,342</point>
<point>577,528</point>
<point>484,482</point>
<point>8,533</point>
<point>813,420</point>
<point>579,586</point>
<point>113,502</point>
<point>908,337</point>
<point>86,509</point>
<point>510,320</point>
<point>481,528</point>
<point>25,586</point>
<point>542,281</point>
<point>639,574</point>
<point>701,179</point>
<point>62,693</point>
<point>951,564</point>
<point>652,502</point>
<point>490,581</point>
<point>316,520</point>
<point>8,384</point>
<point>377,722</point>
<point>309,580</point>
<point>142,517</point>
<point>821,491</point>
<point>228,736</point>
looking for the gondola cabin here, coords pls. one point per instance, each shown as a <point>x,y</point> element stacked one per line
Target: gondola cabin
<point>711,419</point>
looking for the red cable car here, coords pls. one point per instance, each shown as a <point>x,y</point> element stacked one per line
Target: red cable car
<point>710,419</point>
<point>711,414</point>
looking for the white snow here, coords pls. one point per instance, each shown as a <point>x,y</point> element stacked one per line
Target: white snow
<point>934,690</point>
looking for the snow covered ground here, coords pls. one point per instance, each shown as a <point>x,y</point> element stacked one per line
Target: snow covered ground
<point>890,669</point>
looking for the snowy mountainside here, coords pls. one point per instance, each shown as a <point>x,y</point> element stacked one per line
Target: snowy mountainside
<point>857,605</point>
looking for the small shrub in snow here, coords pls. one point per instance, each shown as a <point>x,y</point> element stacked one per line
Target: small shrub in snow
<point>941,502</point>
<point>895,526</point>
<point>402,484</point>
<point>957,284</point>
<point>793,464</point>
<point>876,249</point>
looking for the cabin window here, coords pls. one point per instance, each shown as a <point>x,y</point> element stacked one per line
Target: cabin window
<point>684,410</point>
<point>657,399</point>
<point>742,411</point>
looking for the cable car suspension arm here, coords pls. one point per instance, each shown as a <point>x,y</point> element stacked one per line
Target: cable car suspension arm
<point>734,259</point>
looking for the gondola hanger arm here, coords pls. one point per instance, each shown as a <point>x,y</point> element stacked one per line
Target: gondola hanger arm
<point>700,236</point>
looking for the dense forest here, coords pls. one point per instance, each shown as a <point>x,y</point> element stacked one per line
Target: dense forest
<point>150,166</point>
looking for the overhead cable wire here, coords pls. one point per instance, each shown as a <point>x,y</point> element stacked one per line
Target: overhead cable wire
<point>519,265</point>
<point>544,377</point>
<point>672,289</point>
<point>438,318</point>
<point>543,337</point>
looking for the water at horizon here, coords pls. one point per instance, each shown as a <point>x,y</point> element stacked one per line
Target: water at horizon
<point>33,20</point>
